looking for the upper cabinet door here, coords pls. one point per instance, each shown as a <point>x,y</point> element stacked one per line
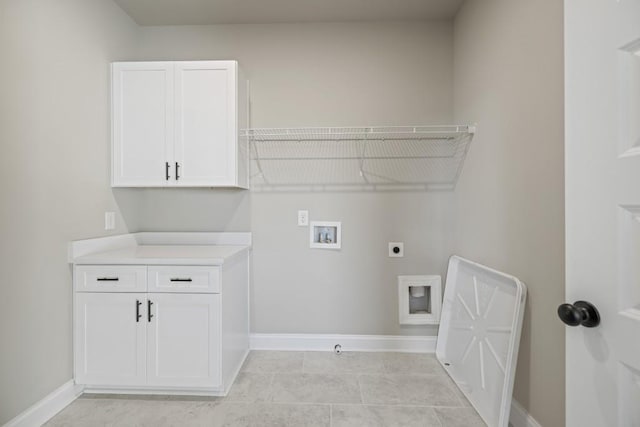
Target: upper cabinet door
<point>206,124</point>
<point>143,124</point>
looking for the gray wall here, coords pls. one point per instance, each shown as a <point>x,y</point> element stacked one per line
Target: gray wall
<point>323,75</point>
<point>54,128</point>
<point>327,74</point>
<point>510,198</point>
<point>354,291</point>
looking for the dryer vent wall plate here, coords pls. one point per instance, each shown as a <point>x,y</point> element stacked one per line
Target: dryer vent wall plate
<point>419,300</point>
<point>479,335</point>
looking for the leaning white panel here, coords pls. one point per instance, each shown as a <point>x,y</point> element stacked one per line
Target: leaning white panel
<point>479,335</point>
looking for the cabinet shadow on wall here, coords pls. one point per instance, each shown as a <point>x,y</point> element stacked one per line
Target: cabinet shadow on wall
<point>184,209</point>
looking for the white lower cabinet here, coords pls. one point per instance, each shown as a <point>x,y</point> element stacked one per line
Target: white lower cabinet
<point>183,340</point>
<point>110,341</point>
<point>170,340</point>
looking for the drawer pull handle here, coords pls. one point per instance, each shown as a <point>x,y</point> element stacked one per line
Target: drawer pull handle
<point>138,315</point>
<point>149,315</point>
<point>107,279</point>
<point>178,279</point>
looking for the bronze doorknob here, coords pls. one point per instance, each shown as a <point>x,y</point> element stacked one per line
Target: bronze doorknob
<point>579,313</point>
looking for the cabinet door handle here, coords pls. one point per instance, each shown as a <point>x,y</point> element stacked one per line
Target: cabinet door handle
<point>177,174</point>
<point>149,315</point>
<point>178,279</point>
<point>107,279</point>
<point>138,315</point>
<point>166,171</point>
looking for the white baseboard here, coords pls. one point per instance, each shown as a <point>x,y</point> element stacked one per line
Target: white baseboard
<point>520,417</point>
<point>322,342</point>
<point>235,374</point>
<point>50,405</point>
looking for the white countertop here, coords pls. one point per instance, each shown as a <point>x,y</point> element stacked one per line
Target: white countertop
<point>165,254</point>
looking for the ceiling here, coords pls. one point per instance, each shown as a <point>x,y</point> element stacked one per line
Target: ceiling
<point>209,12</point>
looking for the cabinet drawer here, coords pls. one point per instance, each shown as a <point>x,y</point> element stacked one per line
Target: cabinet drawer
<point>110,278</point>
<point>184,279</point>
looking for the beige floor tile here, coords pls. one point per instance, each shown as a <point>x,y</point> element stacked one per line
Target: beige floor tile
<point>412,363</point>
<point>274,361</point>
<point>423,390</point>
<point>316,388</point>
<point>348,362</point>
<point>80,413</point>
<point>231,414</point>
<point>251,387</point>
<point>132,413</point>
<point>459,417</point>
<point>272,390</point>
<point>154,413</point>
<point>382,416</point>
<point>452,385</point>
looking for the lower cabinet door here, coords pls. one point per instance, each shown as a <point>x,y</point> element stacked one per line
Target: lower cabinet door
<point>183,337</point>
<point>110,338</point>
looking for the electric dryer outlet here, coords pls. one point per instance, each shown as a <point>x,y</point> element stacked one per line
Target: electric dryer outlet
<point>396,249</point>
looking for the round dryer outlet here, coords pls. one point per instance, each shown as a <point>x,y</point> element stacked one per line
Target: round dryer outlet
<point>396,249</point>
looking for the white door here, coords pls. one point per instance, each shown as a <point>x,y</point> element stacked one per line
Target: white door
<point>184,340</point>
<point>110,339</point>
<point>602,96</point>
<point>142,124</point>
<point>206,123</point>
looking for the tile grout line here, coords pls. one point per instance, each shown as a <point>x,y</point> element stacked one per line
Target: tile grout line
<point>390,405</point>
<point>360,389</point>
<point>331,415</point>
<point>435,414</point>
<point>438,417</point>
<point>270,389</point>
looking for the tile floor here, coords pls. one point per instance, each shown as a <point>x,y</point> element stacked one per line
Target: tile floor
<point>299,389</point>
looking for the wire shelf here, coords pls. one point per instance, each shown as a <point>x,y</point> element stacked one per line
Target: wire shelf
<point>369,158</point>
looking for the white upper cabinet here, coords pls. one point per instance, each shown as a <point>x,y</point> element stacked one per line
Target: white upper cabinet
<point>177,124</point>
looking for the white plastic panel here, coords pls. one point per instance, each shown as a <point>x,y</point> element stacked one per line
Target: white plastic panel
<point>479,335</point>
